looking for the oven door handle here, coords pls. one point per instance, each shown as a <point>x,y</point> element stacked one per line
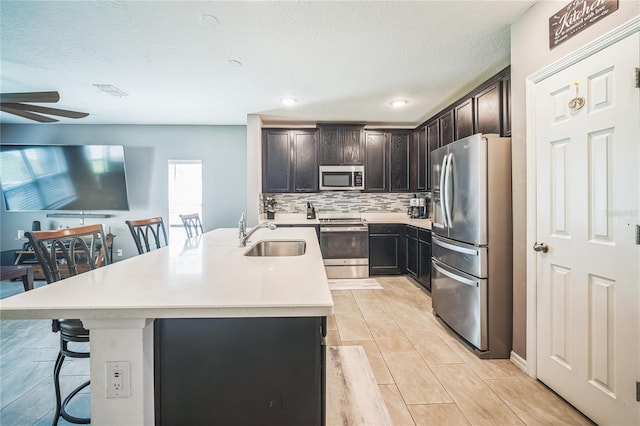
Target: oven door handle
<point>344,229</point>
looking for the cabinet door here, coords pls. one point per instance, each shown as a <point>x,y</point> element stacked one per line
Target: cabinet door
<point>305,161</point>
<point>352,146</point>
<point>386,249</point>
<point>506,106</point>
<point>376,162</point>
<point>446,128</point>
<point>424,264</point>
<point>420,163</point>
<point>239,371</point>
<point>464,119</point>
<point>433,142</point>
<point>399,144</point>
<point>276,166</point>
<point>330,147</point>
<point>488,112</point>
<point>412,256</point>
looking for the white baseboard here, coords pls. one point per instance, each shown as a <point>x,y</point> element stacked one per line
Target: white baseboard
<point>520,362</point>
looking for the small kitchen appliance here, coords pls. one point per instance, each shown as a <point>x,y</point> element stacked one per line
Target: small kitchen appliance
<point>417,208</point>
<point>341,178</point>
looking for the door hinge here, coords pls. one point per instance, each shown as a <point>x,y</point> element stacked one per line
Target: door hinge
<point>638,234</point>
<point>637,78</point>
<point>638,391</point>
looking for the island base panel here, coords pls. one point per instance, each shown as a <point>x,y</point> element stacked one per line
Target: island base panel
<point>240,371</point>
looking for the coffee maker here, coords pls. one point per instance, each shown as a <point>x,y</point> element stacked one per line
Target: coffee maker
<point>417,207</point>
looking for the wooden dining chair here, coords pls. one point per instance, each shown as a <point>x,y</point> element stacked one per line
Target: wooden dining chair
<point>192,224</point>
<point>61,254</point>
<point>148,234</point>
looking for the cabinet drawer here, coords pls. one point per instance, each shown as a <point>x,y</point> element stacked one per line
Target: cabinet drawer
<point>385,229</point>
<point>424,235</point>
<point>411,231</point>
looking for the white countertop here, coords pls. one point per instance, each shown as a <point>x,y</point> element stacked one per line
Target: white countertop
<point>208,278</point>
<point>301,219</point>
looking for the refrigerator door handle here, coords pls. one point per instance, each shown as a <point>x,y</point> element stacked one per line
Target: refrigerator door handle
<point>447,185</point>
<point>454,247</point>
<point>453,276</point>
<point>443,194</point>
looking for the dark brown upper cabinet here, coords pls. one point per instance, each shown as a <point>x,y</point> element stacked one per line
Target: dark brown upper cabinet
<point>341,145</point>
<point>446,128</point>
<point>289,161</point>
<point>375,168</point>
<point>464,119</point>
<point>488,112</point>
<point>506,105</point>
<point>419,160</point>
<point>433,143</point>
<point>399,155</point>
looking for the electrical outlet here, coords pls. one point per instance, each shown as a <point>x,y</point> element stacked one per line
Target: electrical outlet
<point>119,253</point>
<point>118,379</point>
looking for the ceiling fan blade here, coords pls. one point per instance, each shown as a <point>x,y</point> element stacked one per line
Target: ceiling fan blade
<point>47,110</point>
<point>44,97</point>
<point>27,114</point>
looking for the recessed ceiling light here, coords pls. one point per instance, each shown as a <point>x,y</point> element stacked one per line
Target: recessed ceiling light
<point>398,103</point>
<point>234,63</point>
<point>208,20</point>
<point>288,101</point>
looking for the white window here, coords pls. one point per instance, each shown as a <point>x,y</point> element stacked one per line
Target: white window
<point>185,194</point>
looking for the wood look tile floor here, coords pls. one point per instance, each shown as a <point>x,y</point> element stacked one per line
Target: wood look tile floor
<point>426,375</point>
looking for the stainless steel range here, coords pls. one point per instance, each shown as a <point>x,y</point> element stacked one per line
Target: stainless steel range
<point>344,242</point>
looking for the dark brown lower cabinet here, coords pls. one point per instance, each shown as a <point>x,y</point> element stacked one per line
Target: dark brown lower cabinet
<point>240,371</point>
<point>418,243</point>
<point>424,258</point>
<point>386,249</point>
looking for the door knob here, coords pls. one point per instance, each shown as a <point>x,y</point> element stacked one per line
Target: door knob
<point>541,247</point>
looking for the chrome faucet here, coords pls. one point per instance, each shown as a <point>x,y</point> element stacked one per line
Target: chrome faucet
<point>242,226</point>
<point>243,236</point>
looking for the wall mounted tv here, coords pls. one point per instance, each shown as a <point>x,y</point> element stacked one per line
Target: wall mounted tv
<point>63,177</point>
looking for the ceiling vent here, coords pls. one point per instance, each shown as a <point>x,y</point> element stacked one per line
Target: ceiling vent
<point>111,89</point>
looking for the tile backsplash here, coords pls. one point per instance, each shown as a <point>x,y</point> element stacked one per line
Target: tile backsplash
<point>341,202</point>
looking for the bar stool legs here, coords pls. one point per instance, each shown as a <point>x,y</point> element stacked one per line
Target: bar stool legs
<point>61,405</point>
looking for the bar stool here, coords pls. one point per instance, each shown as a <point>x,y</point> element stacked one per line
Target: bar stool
<point>147,231</point>
<point>61,254</point>
<point>192,224</point>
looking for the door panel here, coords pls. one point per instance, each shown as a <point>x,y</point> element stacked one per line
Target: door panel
<point>588,203</point>
<point>468,190</point>
<point>437,213</point>
<point>461,302</point>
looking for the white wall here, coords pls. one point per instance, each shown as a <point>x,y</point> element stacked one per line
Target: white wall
<point>148,149</point>
<point>529,53</point>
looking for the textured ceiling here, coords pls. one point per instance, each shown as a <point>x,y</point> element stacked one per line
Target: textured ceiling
<point>342,61</point>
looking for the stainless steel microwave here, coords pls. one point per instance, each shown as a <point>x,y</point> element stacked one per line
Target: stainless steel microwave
<point>341,178</point>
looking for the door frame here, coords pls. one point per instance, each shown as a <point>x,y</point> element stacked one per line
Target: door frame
<point>628,28</point>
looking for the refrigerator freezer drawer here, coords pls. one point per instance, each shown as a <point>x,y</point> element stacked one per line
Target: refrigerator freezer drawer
<point>460,300</point>
<point>465,257</point>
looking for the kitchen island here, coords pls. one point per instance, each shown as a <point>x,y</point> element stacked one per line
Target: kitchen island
<point>204,278</point>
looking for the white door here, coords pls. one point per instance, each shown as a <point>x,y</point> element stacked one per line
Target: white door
<point>588,205</point>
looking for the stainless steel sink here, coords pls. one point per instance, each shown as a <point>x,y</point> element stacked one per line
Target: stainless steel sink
<point>277,248</point>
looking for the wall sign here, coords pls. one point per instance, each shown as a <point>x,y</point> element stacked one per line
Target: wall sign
<point>577,16</point>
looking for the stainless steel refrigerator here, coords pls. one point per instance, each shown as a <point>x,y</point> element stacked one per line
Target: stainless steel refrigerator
<point>471,263</point>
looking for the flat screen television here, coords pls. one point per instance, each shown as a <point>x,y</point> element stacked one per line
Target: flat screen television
<point>63,177</point>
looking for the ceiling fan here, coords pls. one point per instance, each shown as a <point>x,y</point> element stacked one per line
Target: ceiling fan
<point>15,103</point>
